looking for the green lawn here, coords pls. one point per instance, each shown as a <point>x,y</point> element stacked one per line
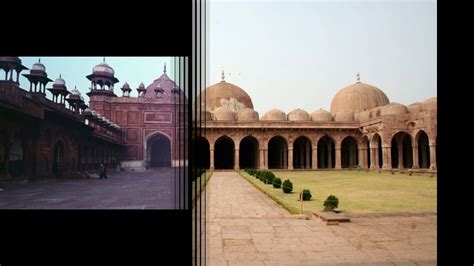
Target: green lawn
<point>358,191</point>
<point>201,182</point>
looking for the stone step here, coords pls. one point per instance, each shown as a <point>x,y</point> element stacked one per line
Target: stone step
<point>331,218</point>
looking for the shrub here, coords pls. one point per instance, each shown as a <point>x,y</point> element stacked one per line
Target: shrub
<point>252,172</point>
<point>306,194</point>
<point>277,182</point>
<point>269,177</point>
<point>287,186</point>
<point>359,168</point>
<point>331,203</point>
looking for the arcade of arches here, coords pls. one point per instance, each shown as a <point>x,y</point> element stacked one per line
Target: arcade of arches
<point>332,150</point>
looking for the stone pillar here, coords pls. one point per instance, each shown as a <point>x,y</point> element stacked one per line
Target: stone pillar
<point>329,156</point>
<point>415,158</point>
<point>236,160</point>
<point>373,158</point>
<point>362,157</point>
<point>17,75</point>
<point>211,166</point>
<point>262,160</point>
<point>265,159</point>
<point>308,157</point>
<point>290,158</point>
<point>387,157</point>
<point>315,157</point>
<point>338,157</point>
<point>400,154</point>
<point>424,160</point>
<point>433,156</point>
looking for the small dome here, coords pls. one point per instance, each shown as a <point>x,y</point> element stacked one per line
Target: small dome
<point>60,81</point>
<point>321,115</point>
<point>224,114</point>
<point>344,117</point>
<point>394,109</point>
<point>247,115</point>
<point>375,112</point>
<point>415,107</point>
<point>126,86</point>
<point>298,115</point>
<point>363,116</point>
<point>141,86</point>
<point>358,97</point>
<point>38,66</point>
<point>430,104</point>
<point>103,68</point>
<point>75,92</point>
<point>274,115</point>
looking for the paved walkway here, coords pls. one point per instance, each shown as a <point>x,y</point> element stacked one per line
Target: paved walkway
<point>152,189</point>
<point>248,228</point>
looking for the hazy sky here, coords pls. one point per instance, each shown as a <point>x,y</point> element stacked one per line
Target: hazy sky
<point>298,54</point>
<point>75,69</point>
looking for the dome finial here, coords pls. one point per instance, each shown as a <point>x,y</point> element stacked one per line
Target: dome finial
<point>164,68</point>
<point>103,60</point>
<point>39,60</point>
<point>222,75</point>
<point>358,78</point>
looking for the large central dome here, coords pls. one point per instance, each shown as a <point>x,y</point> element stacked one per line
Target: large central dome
<point>228,95</point>
<point>358,97</point>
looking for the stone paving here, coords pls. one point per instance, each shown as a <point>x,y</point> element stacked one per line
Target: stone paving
<point>151,189</point>
<point>245,227</point>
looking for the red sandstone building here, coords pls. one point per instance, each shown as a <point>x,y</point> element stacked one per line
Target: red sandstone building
<point>43,137</point>
<point>363,128</point>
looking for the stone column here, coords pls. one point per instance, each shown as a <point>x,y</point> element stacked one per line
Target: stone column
<point>373,158</point>
<point>400,154</point>
<point>308,159</point>
<point>362,157</point>
<point>338,157</point>
<point>262,160</point>
<point>17,75</point>
<point>236,160</point>
<point>387,157</point>
<point>265,159</point>
<point>290,158</point>
<point>329,156</point>
<point>433,156</point>
<point>211,166</point>
<point>415,158</point>
<point>315,157</point>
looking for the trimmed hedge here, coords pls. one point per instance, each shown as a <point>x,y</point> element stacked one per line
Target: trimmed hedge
<point>306,194</point>
<point>331,203</point>
<point>277,182</point>
<point>287,186</point>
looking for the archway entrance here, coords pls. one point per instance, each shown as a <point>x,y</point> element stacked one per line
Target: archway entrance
<point>158,149</point>
<point>302,154</point>
<point>349,153</point>
<point>248,154</point>
<point>224,153</point>
<point>277,153</point>
<point>326,154</point>
<point>59,159</point>
<point>402,151</point>
<point>424,150</point>
<point>202,153</point>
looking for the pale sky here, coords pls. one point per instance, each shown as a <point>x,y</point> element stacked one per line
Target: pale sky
<point>298,54</point>
<point>75,69</point>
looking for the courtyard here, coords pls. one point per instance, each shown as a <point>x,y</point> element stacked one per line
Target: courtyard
<point>246,227</point>
<point>151,189</point>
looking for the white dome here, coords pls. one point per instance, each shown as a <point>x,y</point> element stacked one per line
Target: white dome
<point>103,67</point>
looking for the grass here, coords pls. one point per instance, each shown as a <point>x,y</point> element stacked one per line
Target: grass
<point>202,180</point>
<point>358,191</point>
